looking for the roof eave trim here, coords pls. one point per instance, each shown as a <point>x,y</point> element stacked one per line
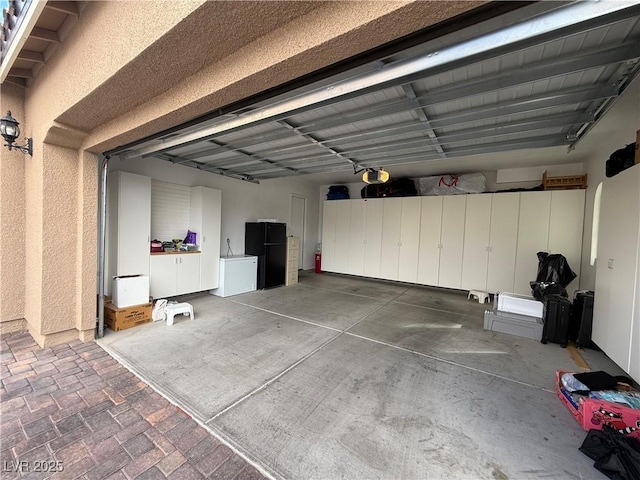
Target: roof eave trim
<point>34,10</point>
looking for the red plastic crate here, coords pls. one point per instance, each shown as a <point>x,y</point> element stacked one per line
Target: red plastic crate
<point>592,413</point>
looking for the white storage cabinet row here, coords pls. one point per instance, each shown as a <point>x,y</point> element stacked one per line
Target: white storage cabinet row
<point>480,242</point>
<point>129,236</point>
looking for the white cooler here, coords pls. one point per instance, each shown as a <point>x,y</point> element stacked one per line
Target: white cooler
<point>520,304</point>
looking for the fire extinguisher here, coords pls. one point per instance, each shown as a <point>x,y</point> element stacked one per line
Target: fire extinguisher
<point>318,262</point>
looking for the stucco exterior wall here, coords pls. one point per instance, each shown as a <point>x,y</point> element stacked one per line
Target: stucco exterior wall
<point>128,69</point>
<point>12,222</point>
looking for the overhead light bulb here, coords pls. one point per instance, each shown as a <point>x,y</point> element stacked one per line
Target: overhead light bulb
<point>373,176</point>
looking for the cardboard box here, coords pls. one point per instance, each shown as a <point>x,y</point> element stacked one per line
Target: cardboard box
<point>592,413</point>
<point>130,290</point>
<point>122,318</point>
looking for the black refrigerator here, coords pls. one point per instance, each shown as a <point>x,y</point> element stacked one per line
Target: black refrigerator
<point>267,241</point>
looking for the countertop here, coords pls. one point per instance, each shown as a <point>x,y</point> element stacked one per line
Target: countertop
<point>174,253</point>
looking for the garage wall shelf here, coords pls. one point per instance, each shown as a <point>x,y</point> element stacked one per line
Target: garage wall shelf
<point>563,183</point>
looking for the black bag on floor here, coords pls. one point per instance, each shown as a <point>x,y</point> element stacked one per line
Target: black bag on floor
<point>620,160</point>
<point>615,455</point>
<point>556,318</point>
<point>582,319</point>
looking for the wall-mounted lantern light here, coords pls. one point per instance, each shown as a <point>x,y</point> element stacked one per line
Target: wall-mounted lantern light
<point>10,132</point>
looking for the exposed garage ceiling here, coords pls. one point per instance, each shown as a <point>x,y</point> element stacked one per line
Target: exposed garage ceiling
<point>537,77</point>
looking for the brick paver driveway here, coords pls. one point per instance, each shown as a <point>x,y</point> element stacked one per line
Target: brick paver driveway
<point>72,411</point>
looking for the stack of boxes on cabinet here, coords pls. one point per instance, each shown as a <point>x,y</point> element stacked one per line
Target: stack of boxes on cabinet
<point>139,269</point>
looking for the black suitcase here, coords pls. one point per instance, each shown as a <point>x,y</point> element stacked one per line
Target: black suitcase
<point>556,317</point>
<point>582,319</point>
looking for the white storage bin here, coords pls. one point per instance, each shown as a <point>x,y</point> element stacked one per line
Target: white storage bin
<point>130,290</point>
<point>520,304</point>
<point>513,324</point>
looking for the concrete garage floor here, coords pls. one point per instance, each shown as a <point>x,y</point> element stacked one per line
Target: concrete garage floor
<point>343,377</point>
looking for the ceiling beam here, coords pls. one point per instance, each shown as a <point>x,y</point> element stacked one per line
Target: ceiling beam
<point>557,23</point>
<point>21,73</point>
<point>44,34</point>
<point>519,144</point>
<point>570,96</point>
<point>555,67</point>
<point>317,143</point>
<point>252,156</point>
<point>508,128</point>
<point>410,93</point>
<point>30,56</point>
<point>206,168</point>
<point>70,8</point>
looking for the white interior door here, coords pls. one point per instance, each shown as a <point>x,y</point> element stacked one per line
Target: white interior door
<point>297,224</point>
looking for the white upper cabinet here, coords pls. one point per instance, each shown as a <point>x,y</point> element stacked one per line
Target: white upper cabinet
<point>373,237</point>
<point>503,240</point>
<point>476,242</point>
<point>205,217</point>
<point>391,222</point>
<point>616,313</point>
<point>357,237</point>
<point>429,249</point>
<point>409,239</point>
<point>533,237</point>
<point>329,235</point>
<point>565,228</point>
<point>129,223</point>
<point>452,240</point>
<point>343,225</point>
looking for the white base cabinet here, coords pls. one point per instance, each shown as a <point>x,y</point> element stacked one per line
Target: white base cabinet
<point>484,241</point>
<point>174,274</point>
